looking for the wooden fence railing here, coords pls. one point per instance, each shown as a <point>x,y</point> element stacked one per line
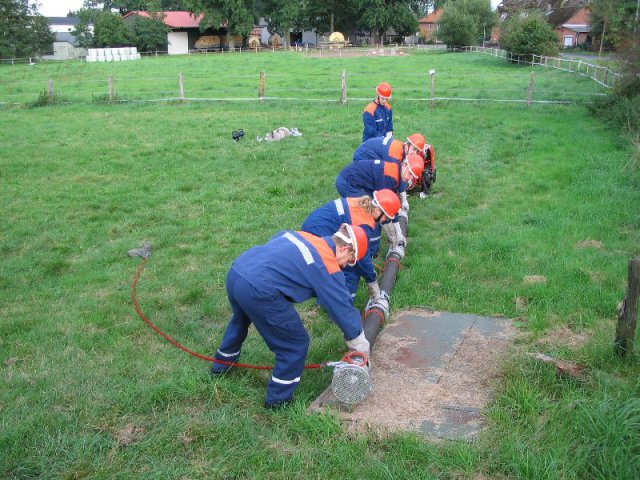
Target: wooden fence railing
<point>598,73</point>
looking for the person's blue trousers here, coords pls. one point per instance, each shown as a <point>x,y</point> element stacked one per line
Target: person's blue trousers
<point>280,326</point>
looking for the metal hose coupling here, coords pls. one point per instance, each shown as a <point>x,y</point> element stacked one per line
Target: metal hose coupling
<point>351,383</point>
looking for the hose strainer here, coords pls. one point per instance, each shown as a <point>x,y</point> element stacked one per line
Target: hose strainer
<point>351,383</point>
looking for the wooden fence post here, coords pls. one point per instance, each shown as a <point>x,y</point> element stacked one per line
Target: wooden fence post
<point>432,74</point>
<point>181,87</point>
<point>110,87</point>
<point>261,88</point>
<point>50,90</point>
<point>532,80</point>
<point>343,92</point>
<point>628,314</point>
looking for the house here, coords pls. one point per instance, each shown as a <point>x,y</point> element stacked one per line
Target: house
<point>568,18</point>
<point>64,46</point>
<point>430,24</point>
<point>576,31</point>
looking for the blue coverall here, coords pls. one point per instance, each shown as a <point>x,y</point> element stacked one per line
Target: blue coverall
<point>264,283</point>
<point>377,119</point>
<point>380,148</point>
<point>326,220</point>
<point>366,176</point>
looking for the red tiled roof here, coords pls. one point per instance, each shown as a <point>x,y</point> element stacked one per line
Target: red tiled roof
<point>433,17</point>
<point>174,19</point>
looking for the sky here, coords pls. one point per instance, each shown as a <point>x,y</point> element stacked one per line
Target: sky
<point>60,8</point>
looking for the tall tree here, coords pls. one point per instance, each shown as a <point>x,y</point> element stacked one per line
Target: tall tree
<point>236,15</point>
<point>612,21</point>
<point>283,16</point>
<point>83,30</point>
<point>111,31</point>
<point>23,31</point>
<point>151,32</point>
<point>378,16</point>
<point>465,22</point>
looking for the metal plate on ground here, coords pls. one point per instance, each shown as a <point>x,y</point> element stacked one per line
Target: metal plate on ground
<point>432,372</point>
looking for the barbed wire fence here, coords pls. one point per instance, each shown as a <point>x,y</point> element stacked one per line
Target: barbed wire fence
<point>429,87</point>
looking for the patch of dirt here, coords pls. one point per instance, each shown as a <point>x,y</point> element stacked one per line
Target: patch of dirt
<point>534,279</point>
<point>590,244</point>
<point>129,434</point>
<point>408,395</point>
<point>564,336</point>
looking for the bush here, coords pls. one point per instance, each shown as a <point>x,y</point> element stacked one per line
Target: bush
<point>528,36</point>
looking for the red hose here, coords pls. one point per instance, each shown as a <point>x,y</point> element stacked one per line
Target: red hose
<point>191,352</point>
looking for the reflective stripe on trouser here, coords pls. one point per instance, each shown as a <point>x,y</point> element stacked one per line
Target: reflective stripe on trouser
<point>280,326</point>
<point>345,189</point>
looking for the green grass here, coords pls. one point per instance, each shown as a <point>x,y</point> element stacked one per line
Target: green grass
<point>87,390</point>
<point>293,76</point>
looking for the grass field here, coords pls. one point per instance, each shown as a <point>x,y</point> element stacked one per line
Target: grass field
<point>87,390</point>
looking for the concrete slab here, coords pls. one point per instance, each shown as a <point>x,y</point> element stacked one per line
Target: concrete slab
<point>432,373</point>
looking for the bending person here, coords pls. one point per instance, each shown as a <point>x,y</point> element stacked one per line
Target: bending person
<point>265,281</point>
<point>366,212</point>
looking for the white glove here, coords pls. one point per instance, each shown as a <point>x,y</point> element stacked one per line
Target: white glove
<point>389,134</point>
<point>400,238</point>
<point>359,344</point>
<point>405,201</point>
<point>398,250</point>
<point>374,289</point>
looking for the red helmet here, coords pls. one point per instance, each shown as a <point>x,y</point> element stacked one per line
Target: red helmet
<point>415,163</point>
<point>416,140</point>
<point>359,241</point>
<point>387,201</point>
<point>384,90</point>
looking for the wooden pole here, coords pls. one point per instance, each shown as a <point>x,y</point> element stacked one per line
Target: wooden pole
<point>50,89</point>
<point>110,87</point>
<point>532,80</point>
<point>628,314</point>
<point>343,93</point>
<point>432,74</point>
<point>181,87</point>
<point>261,89</point>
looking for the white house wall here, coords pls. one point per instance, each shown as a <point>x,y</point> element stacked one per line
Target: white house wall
<point>178,43</point>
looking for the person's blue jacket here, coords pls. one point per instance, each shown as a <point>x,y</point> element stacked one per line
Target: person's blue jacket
<point>377,119</point>
<point>380,148</point>
<point>299,266</point>
<point>366,176</point>
<point>326,220</point>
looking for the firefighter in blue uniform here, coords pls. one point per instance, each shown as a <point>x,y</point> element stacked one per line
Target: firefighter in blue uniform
<point>378,116</point>
<point>265,281</point>
<point>366,176</point>
<point>367,212</point>
<point>388,148</point>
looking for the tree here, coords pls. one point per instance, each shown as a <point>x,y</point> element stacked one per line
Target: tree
<point>151,32</point>
<point>613,21</point>
<point>23,31</point>
<point>82,30</point>
<point>237,15</point>
<point>378,16</point>
<point>283,16</point>
<point>111,31</point>
<point>529,34</point>
<point>465,22</point>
